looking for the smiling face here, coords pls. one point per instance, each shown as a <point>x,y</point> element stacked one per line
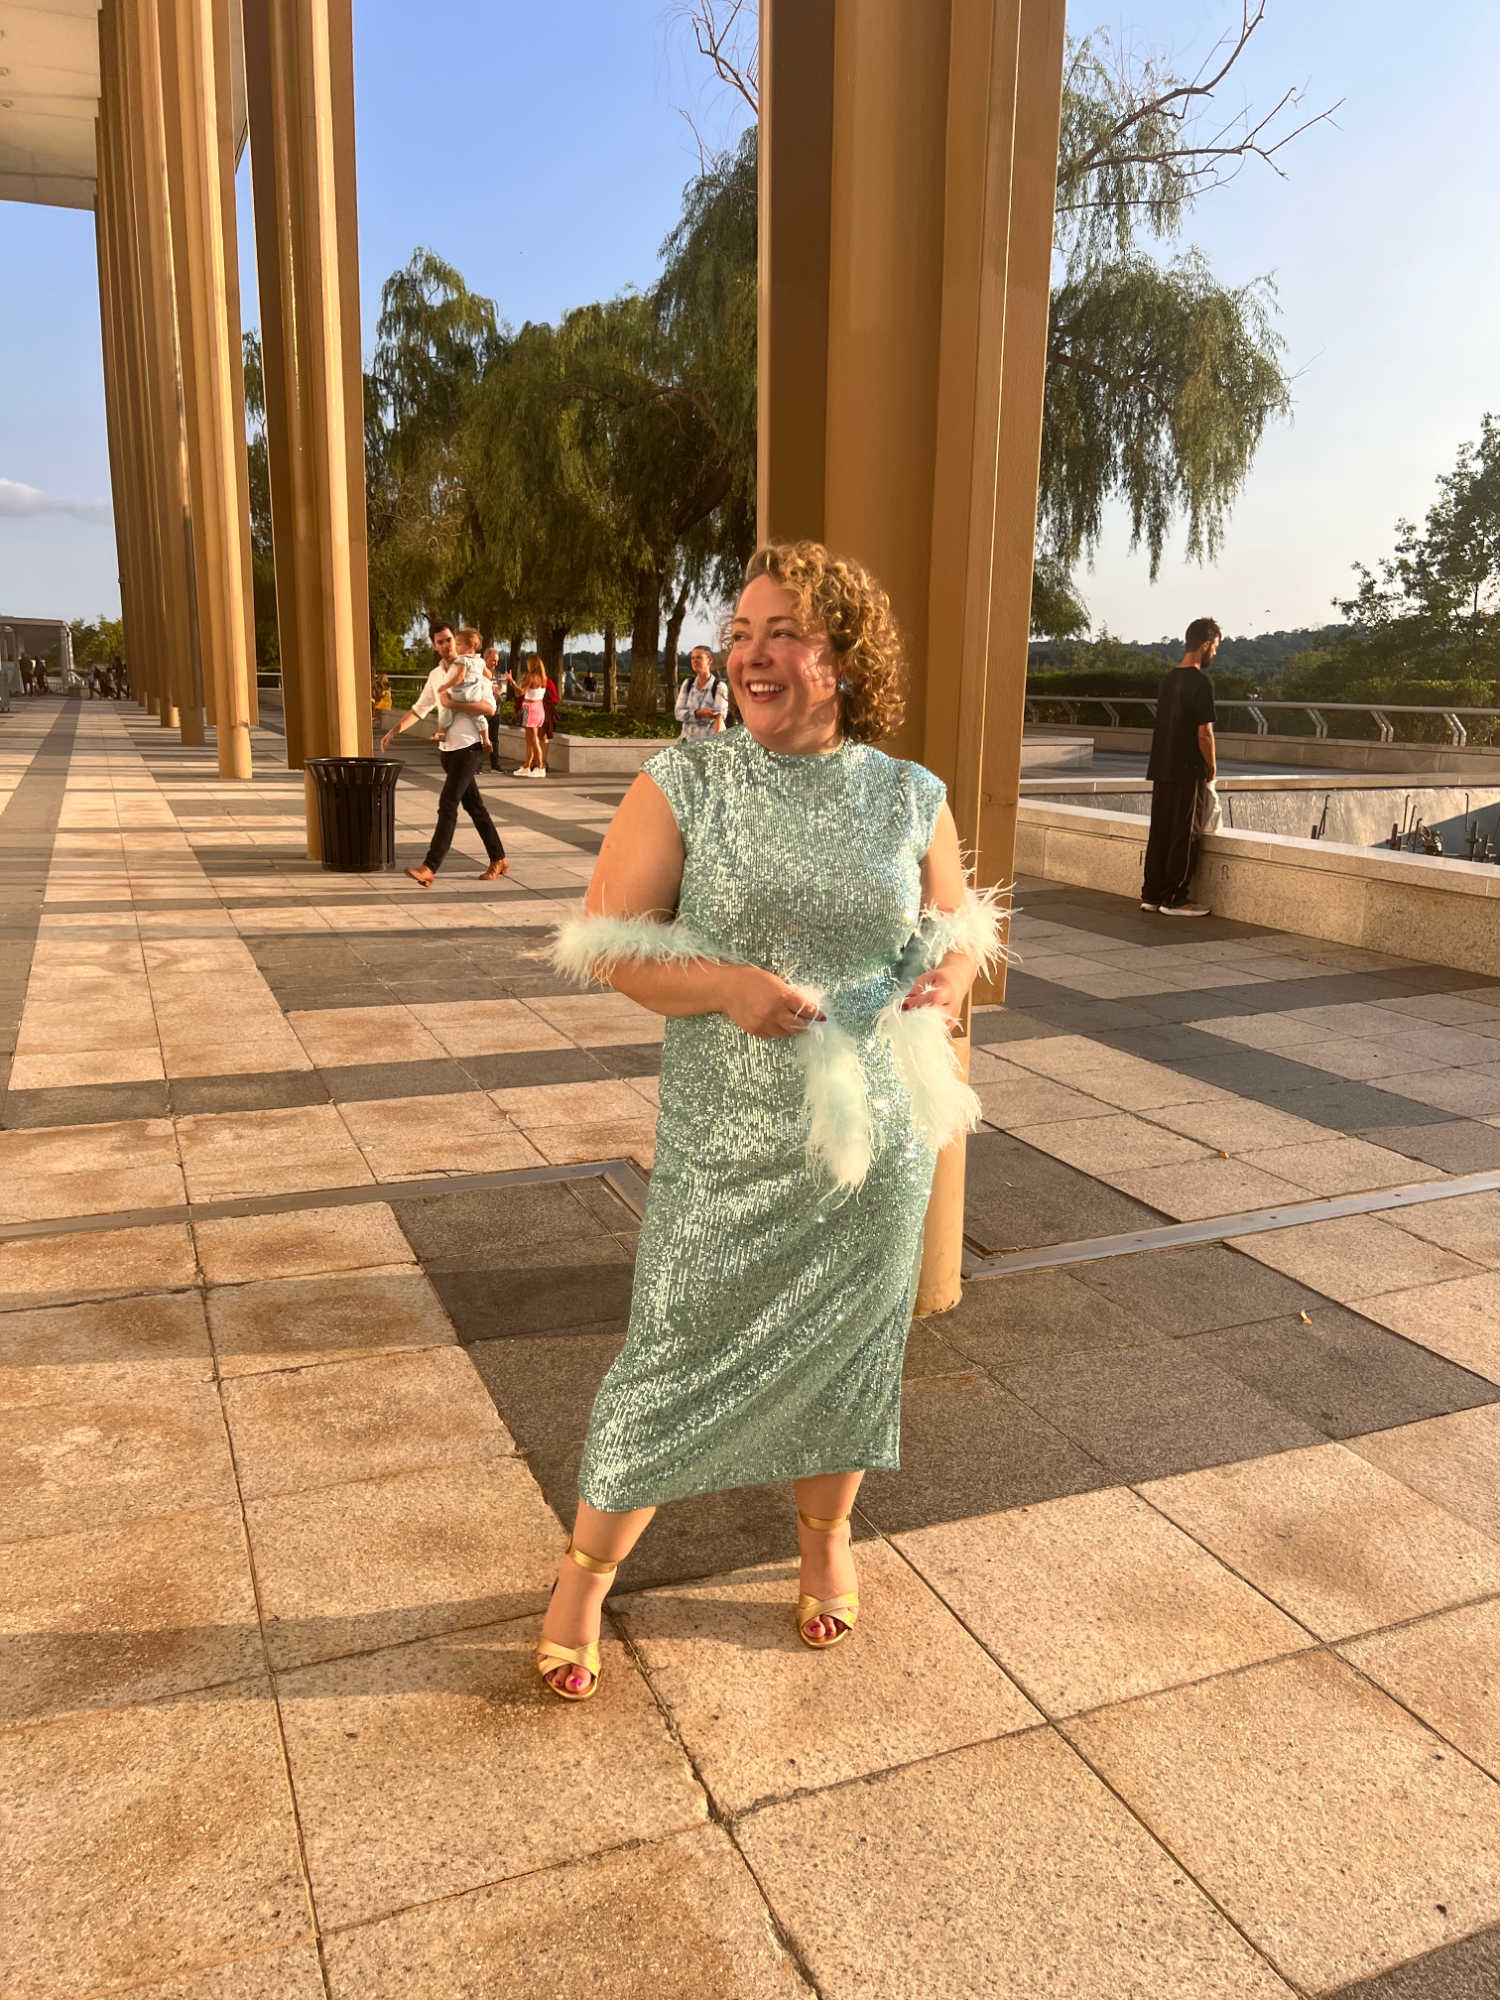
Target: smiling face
<point>784,678</point>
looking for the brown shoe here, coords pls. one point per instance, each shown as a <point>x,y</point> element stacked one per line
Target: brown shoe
<point>423,875</point>
<point>495,870</point>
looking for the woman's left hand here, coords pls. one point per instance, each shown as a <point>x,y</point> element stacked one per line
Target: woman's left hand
<point>944,988</point>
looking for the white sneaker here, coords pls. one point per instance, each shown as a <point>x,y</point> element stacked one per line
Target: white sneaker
<point>1185,910</point>
<point>1152,906</point>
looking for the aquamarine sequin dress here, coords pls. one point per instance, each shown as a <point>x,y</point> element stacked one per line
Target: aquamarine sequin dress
<point>770,1314</point>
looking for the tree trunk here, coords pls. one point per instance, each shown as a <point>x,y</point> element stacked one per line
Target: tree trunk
<point>611,671</point>
<point>516,639</point>
<point>669,650</point>
<point>553,657</point>
<point>544,642</point>
<point>645,633</point>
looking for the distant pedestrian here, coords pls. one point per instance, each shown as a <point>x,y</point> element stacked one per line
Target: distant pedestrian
<point>702,700</point>
<point>496,679</point>
<point>1183,766</point>
<point>461,757</point>
<point>531,698</point>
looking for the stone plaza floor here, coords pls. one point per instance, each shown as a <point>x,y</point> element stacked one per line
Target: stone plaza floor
<point>1178,1674</point>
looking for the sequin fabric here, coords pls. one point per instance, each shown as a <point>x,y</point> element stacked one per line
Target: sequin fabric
<point>769,1315</point>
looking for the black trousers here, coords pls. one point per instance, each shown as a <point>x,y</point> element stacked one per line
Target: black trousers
<point>1171,848</point>
<point>461,788</point>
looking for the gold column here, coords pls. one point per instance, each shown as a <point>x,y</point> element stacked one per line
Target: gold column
<point>122,492</point>
<point>195,96</point>
<point>300,78</point>
<point>140,65</point>
<point>148,641</point>
<point>939,198</point>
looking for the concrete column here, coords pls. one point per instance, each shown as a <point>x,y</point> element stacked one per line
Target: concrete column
<point>140,66</point>
<point>195,98</point>
<point>122,496</point>
<point>300,79</point>
<point>149,645</point>
<point>926,375</point>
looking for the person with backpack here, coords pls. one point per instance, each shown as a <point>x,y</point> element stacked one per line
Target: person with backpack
<point>702,700</point>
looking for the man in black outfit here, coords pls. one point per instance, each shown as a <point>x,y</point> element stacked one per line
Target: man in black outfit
<point>1183,762</point>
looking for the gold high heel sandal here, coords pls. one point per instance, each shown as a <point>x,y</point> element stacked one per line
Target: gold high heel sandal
<point>549,1657</point>
<point>845,1608</point>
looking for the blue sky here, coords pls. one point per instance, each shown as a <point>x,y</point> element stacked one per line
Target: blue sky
<point>541,150</point>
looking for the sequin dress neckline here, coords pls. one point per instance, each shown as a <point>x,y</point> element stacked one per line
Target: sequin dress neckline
<point>786,758</point>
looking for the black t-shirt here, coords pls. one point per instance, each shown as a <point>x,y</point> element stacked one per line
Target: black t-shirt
<point>1184,702</point>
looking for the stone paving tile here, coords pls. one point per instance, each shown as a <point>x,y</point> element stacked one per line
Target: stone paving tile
<point>144,1841</point>
<point>289,1974</point>
<point>1467,1223</point>
<point>1459,1319</point>
<point>1342,1373</point>
<point>37,1197</point>
<point>681,1916</point>
<point>67,1467</point>
<point>1194,1290</point>
<point>1016,1198</point>
<point>1061,1893</point>
<point>1337,1166</point>
<point>347,1569</point>
<point>1110,1144</point>
<point>1446,1670</point>
<point>265,1152</point>
<point>300,1243</point>
<point>1237,1125</point>
<point>1035,1316</point>
<point>117,1349</point>
<point>364,1034</point>
<point>1469,1092</point>
<point>294,1322</point>
<point>1360,1108</point>
<point>969,1447</point>
<point>1095,1598</point>
<point>346,1420</point>
<point>1334,1541</point>
<point>592,1019</point>
<point>544,1385</point>
<point>462,1133</point>
<point>1208,1187</point>
<point>1355,1842</point>
<point>1459,1146</point>
<point>1454,1460</point>
<point>1149,1411</point>
<point>1018,1097</point>
<point>267,1090</point>
<point>1468,1970</point>
<point>487,1027</point>
<point>628,1139</point>
<point>126,1613</point>
<point>428,1769</point>
<point>1350,1256</point>
<point>762,1715</point>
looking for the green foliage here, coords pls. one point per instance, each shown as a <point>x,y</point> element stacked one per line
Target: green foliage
<point>593,722</point>
<point>262,555</point>
<point>1430,612</point>
<point>97,641</point>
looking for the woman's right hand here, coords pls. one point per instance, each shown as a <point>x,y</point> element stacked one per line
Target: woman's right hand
<point>764,1005</point>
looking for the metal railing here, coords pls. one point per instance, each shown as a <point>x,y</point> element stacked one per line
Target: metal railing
<point>1481,727</point>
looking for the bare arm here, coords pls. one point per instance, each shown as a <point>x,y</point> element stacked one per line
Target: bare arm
<point>1207,750</point>
<point>639,873</point>
<point>944,886</point>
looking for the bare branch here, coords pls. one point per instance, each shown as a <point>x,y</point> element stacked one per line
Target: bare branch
<point>719,30</point>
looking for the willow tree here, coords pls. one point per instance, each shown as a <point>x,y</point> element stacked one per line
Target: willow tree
<point>1161,379</point>
<point>436,341</point>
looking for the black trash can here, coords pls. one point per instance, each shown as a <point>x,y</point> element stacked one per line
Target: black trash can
<point>356,812</point>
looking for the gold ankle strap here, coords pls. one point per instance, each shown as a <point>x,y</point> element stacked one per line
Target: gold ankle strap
<point>820,1527</point>
<point>590,1563</point>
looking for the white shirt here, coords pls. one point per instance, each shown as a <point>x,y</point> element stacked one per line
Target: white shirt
<point>691,697</point>
<point>464,729</point>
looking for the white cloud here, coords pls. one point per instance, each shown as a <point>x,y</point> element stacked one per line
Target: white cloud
<point>30,503</point>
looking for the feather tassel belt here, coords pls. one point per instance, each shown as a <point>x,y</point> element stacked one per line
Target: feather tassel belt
<point>840,1127</point>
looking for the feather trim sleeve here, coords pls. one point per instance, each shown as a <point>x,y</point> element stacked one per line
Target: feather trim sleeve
<point>979,928</point>
<point>586,947</point>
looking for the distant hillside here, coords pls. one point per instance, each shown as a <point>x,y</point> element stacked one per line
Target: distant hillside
<point>1260,656</point>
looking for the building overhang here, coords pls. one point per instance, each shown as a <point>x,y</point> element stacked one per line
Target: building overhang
<point>49,99</point>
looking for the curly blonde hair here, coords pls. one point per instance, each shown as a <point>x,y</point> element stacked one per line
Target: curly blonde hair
<point>841,598</point>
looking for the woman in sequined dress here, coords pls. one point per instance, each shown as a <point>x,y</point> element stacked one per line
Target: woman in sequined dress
<point>794,902</point>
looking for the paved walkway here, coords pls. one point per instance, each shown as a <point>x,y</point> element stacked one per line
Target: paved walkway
<point>1176,1679</point>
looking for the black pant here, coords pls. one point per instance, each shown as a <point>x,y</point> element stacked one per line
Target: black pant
<point>461,788</point>
<point>1171,848</point>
